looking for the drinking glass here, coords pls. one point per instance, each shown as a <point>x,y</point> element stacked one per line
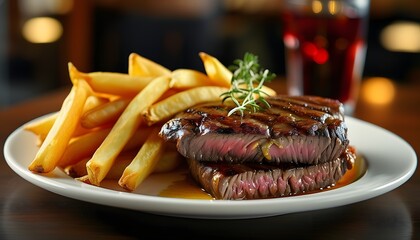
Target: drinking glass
<point>325,48</point>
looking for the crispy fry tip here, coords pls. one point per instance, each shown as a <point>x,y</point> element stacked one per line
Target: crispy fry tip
<point>36,168</point>
<point>126,183</point>
<point>93,173</point>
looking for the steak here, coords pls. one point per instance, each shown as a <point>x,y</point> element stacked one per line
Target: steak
<point>296,146</point>
<point>258,181</point>
<point>295,129</point>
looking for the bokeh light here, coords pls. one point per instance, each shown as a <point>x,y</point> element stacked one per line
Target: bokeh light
<point>401,36</point>
<point>42,30</point>
<point>378,90</point>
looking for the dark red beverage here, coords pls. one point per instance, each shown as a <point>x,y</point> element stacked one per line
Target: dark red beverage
<point>325,55</point>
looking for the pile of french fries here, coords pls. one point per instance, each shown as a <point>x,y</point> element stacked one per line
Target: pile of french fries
<point>108,125</point>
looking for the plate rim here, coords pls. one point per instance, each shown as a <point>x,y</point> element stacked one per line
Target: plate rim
<point>214,209</point>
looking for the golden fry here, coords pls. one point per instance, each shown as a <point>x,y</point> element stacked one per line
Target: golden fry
<point>105,113</point>
<point>144,162</point>
<point>58,137</point>
<point>74,74</point>
<point>117,83</point>
<point>120,164</point>
<point>83,146</point>
<point>269,91</point>
<point>78,169</point>
<point>216,71</point>
<point>143,67</point>
<point>168,93</point>
<point>114,83</point>
<point>94,101</point>
<point>181,101</point>
<point>125,127</point>
<point>169,161</point>
<point>84,179</point>
<point>138,138</point>
<point>187,78</point>
<point>43,126</point>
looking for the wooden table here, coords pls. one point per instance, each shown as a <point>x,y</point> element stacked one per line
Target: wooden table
<point>29,212</point>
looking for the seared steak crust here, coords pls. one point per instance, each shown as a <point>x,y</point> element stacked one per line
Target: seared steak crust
<point>296,129</point>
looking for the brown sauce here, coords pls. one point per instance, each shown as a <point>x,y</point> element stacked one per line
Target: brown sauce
<point>358,170</point>
<point>187,188</point>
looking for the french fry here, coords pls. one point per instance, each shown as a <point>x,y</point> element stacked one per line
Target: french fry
<point>220,74</point>
<point>169,161</point>
<point>117,83</point>
<point>85,146</point>
<point>44,125</point>
<point>138,138</point>
<point>143,67</point>
<point>187,78</point>
<point>105,113</point>
<point>168,93</point>
<point>55,143</point>
<point>94,101</point>
<point>43,129</point>
<point>78,169</point>
<point>144,162</point>
<point>114,83</point>
<point>84,178</point>
<point>74,74</point>
<point>216,71</point>
<point>100,163</point>
<point>122,161</point>
<point>269,91</point>
<point>82,147</point>
<point>168,107</point>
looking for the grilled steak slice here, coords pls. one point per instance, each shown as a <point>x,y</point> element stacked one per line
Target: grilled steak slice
<point>300,129</point>
<point>257,181</point>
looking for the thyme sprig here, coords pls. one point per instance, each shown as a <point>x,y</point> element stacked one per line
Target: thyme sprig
<point>247,82</point>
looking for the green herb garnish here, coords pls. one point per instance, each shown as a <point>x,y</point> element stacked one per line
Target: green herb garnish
<point>246,85</point>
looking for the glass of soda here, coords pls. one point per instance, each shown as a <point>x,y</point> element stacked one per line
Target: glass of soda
<point>325,48</point>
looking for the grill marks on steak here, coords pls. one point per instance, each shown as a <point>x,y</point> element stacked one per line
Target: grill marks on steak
<point>297,129</point>
<point>297,146</point>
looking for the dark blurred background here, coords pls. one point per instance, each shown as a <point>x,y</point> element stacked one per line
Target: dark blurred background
<point>39,37</point>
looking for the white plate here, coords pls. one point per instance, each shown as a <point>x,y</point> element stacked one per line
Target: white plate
<point>391,162</point>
